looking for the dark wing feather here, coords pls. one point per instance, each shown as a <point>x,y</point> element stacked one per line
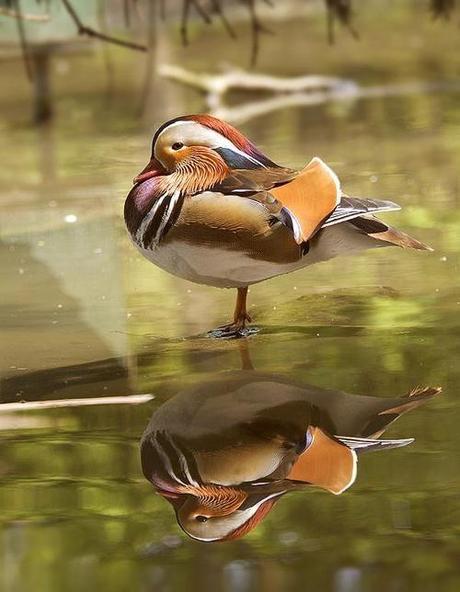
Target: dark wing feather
<point>352,207</point>
<point>377,229</point>
<point>245,182</point>
<point>273,206</point>
<point>256,185</point>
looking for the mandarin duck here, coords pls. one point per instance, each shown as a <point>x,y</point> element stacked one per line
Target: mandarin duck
<point>225,451</point>
<point>211,208</point>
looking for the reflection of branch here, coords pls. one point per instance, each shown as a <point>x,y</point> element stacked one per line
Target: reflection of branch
<point>90,32</point>
<point>245,355</point>
<point>246,111</point>
<point>52,404</point>
<point>349,93</point>
<point>286,92</point>
<point>23,16</point>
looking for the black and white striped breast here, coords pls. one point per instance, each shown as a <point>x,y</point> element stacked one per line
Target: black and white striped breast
<point>150,226</point>
<point>167,460</point>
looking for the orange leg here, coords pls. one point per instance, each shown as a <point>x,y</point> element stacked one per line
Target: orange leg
<point>241,316</point>
<point>240,319</point>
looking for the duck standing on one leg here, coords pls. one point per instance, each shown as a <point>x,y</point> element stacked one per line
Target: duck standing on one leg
<point>211,208</point>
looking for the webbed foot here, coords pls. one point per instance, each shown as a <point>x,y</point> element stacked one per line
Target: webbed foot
<point>235,330</point>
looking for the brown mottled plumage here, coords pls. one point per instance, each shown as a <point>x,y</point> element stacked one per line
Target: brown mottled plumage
<point>223,452</point>
<point>210,207</point>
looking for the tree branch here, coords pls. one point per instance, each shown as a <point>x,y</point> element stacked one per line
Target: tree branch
<point>23,40</point>
<point>442,8</point>
<point>184,21</point>
<point>201,11</point>
<point>256,29</point>
<point>90,32</point>
<point>340,10</point>
<point>217,9</point>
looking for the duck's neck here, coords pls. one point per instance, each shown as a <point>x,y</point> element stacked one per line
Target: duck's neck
<point>193,177</point>
<point>189,178</point>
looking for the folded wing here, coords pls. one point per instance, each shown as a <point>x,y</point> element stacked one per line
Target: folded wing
<point>326,463</point>
<point>312,199</point>
<point>309,198</point>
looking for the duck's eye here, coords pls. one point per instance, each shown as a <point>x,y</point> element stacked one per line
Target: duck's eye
<point>201,519</point>
<point>177,146</point>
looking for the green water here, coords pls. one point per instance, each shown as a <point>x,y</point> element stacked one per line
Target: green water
<point>83,315</point>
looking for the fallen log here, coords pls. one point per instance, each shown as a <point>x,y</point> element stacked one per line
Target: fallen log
<point>215,86</point>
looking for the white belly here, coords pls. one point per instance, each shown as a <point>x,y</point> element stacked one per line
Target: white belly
<point>239,264</point>
<point>214,266</point>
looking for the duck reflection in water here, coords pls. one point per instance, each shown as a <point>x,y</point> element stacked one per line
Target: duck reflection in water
<point>225,451</point>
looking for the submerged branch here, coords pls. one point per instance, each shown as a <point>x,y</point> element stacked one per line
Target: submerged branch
<point>10,12</point>
<point>285,92</point>
<point>56,403</point>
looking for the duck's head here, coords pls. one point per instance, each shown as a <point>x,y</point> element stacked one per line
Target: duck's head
<point>222,513</point>
<point>201,149</point>
<point>210,501</point>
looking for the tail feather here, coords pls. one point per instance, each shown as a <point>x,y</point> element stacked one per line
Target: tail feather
<point>413,399</point>
<point>377,229</point>
<point>425,392</point>
<point>401,239</point>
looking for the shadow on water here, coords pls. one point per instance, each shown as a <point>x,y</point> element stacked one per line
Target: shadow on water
<point>47,331</point>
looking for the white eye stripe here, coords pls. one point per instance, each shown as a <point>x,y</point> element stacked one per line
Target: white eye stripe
<point>193,133</point>
<point>231,522</point>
